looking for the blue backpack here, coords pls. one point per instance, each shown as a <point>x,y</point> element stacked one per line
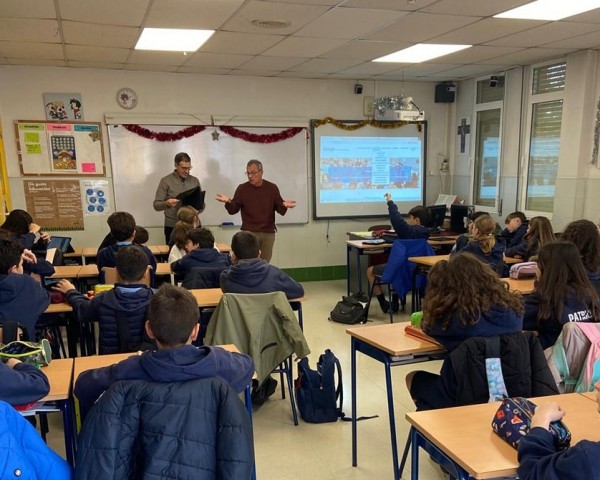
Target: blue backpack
<point>318,396</point>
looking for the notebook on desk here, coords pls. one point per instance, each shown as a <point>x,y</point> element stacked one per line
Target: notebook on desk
<point>420,334</point>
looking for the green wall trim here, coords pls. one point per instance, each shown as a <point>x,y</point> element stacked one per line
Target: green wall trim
<point>316,274</point>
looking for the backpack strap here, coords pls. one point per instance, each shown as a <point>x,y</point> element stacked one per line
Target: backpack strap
<point>493,369</point>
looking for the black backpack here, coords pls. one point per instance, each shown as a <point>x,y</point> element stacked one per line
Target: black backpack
<point>349,311</point>
<point>318,396</point>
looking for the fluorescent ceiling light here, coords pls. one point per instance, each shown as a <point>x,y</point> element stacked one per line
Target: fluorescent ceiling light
<point>550,9</point>
<point>421,52</point>
<point>172,39</point>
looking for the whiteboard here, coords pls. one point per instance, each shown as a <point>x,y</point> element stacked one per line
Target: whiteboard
<point>138,164</point>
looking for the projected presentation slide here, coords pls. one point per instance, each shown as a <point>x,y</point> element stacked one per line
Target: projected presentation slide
<point>363,169</point>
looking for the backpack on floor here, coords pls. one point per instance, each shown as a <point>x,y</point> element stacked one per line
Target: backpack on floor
<point>318,395</point>
<point>349,311</point>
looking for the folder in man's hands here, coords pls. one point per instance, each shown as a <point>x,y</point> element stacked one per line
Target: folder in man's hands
<point>193,197</point>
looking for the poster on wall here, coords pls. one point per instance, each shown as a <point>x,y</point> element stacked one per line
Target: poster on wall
<point>54,204</point>
<point>63,106</point>
<point>59,148</point>
<point>96,197</point>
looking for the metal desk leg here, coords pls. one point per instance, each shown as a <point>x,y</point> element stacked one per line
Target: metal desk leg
<point>353,384</point>
<point>348,248</point>
<point>248,402</point>
<point>392,417</point>
<point>359,269</point>
<point>66,407</point>
<point>414,454</point>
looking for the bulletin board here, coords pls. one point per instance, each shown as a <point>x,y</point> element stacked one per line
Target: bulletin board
<point>59,148</point>
<point>55,204</point>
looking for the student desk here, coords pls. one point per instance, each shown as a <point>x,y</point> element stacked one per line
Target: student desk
<point>60,377</point>
<point>359,249</point>
<point>390,345</point>
<point>66,271</point>
<point>464,436</point>
<point>590,395</point>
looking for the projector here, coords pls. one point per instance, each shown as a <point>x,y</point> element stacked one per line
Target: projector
<point>409,115</point>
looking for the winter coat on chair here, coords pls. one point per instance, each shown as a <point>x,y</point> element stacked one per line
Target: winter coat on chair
<point>262,325</point>
<point>524,367</point>
<point>178,430</point>
<point>398,270</point>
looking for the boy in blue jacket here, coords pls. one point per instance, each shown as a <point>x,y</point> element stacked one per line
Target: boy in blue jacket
<point>173,324</point>
<point>201,252</point>
<point>22,299</point>
<point>413,228</point>
<point>122,228</point>
<point>125,304</point>
<point>539,457</point>
<point>251,274</point>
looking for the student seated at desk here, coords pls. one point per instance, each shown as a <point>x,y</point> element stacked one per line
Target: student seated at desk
<point>483,243</point>
<point>187,219</point>
<point>516,228</point>
<point>173,324</point>
<point>413,228</point>
<point>122,228</point>
<point>584,234</point>
<point>251,274</point>
<point>123,306</point>
<point>539,233</point>
<point>141,238</point>
<point>22,383</point>
<point>22,299</point>
<point>201,252</point>
<point>464,299</point>
<point>563,293</point>
<point>539,458</point>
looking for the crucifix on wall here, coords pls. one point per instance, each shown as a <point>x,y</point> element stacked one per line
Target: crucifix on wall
<point>464,129</point>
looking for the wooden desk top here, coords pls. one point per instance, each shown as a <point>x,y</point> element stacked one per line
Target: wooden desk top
<point>223,247</point>
<point>163,268</point>
<point>89,251</point>
<point>358,244</point>
<point>392,339</point>
<point>590,395</point>
<point>98,361</point>
<point>88,271</point>
<point>66,271</point>
<point>59,308</point>
<point>78,252</point>
<point>465,434</point>
<point>524,286</point>
<point>207,297</point>
<point>59,373</point>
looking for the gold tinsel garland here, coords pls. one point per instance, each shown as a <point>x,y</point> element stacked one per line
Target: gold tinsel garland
<point>364,123</point>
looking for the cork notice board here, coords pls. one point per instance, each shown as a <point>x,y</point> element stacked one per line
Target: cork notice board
<point>59,148</point>
<point>54,204</point>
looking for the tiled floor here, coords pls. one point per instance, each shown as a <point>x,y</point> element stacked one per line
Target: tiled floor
<point>323,452</point>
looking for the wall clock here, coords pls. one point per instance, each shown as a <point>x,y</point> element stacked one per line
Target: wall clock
<point>127,98</point>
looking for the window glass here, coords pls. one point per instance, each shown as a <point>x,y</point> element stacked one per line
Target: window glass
<point>549,78</point>
<point>487,156</point>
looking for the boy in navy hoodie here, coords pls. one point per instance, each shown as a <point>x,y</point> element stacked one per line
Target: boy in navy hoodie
<point>22,383</point>
<point>413,228</point>
<point>22,299</point>
<point>251,274</point>
<point>201,252</point>
<point>516,228</point>
<point>125,305</point>
<point>173,324</point>
<point>122,228</point>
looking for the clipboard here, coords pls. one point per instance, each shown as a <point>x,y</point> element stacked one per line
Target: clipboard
<point>193,197</point>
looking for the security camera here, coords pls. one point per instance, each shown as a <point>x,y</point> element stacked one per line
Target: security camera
<point>494,81</point>
<point>358,88</point>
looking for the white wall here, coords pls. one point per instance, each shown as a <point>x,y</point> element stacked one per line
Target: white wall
<point>315,244</point>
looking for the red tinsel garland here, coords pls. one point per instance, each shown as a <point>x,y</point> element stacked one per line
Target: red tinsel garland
<point>232,131</point>
<point>165,136</point>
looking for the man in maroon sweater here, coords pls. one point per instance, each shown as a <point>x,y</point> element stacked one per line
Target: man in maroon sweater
<point>258,200</point>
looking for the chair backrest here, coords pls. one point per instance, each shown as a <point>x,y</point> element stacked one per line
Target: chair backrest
<point>262,325</point>
<point>201,277</point>
<point>205,432</point>
<point>110,275</point>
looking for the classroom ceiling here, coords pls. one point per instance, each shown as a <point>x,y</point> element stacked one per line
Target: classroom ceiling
<point>318,39</point>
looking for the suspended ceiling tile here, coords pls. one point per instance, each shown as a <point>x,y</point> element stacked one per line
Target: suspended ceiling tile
<point>32,50</point>
<point>96,54</point>
<point>528,56</point>
<point>589,40</point>
<point>99,65</point>
<point>203,14</point>
<point>273,63</point>
<point>204,70</point>
<point>254,73</point>
<point>29,30</point>
<point>419,27</point>
<point>77,33</point>
<point>370,68</point>
<point>476,54</point>
<point>27,8</point>
<point>44,62</point>
<point>420,69</point>
<point>349,22</point>
<point>485,31</point>
<point>549,32</point>
<point>388,4</point>
<point>105,12</point>
<point>474,7</point>
<point>467,71</point>
<point>305,75</point>
<point>303,47</point>
<point>213,60</point>
<point>147,67</point>
<point>298,15</point>
<point>149,57</point>
<point>236,42</point>
<point>324,65</point>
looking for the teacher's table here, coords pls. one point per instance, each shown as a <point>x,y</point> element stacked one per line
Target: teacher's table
<point>60,377</point>
<point>390,345</point>
<point>465,439</point>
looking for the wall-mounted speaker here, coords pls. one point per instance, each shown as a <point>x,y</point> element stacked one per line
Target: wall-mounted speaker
<point>445,93</point>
